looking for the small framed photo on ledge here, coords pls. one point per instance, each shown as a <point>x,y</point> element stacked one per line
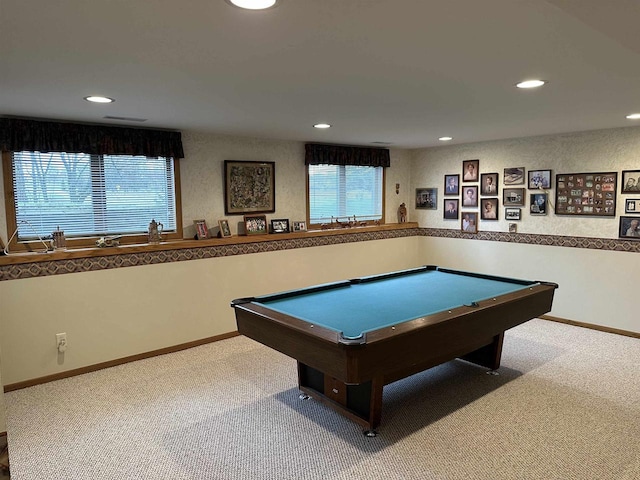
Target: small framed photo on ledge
<point>225,231</point>
<point>299,226</point>
<point>255,224</point>
<point>280,226</point>
<point>202,231</point>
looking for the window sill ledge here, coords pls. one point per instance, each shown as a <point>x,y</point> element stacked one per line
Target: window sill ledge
<point>75,253</point>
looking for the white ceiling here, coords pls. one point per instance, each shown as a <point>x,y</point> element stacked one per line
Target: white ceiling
<point>399,71</point>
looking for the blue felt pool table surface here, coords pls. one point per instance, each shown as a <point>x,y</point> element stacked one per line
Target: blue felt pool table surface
<point>357,307</point>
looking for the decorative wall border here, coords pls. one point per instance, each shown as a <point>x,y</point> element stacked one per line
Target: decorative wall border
<point>630,246</point>
<point>76,265</point>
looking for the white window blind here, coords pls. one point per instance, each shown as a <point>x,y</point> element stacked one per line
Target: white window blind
<point>344,191</point>
<point>91,195</point>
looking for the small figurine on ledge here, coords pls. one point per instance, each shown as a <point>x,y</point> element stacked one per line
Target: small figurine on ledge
<point>402,213</point>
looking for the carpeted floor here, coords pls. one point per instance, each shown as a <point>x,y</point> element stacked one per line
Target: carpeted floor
<point>566,405</point>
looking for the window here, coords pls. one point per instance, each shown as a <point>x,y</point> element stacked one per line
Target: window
<point>89,196</point>
<point>344,191</point>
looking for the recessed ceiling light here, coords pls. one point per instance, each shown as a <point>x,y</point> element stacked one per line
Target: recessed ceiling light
<point>322,125</point>
<point>253,4</point>
<point>634,116</point>
<point>99,99</point>
<point>445,139</point>
<point>530,84</point>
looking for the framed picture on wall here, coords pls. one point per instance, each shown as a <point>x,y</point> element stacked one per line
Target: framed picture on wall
<point>249,187</point>
<point>489,209</point>
<point>512,213</point>
<point>470,170</point>
<point>452,184</point>
<point>538,205</point>
<point>489,184</point>
<point>592,194</point>
<point>451,208</point>
<point>514,176</point>
<point>630,181</point>
<point>632,205</point>
<point>470,196</point>
<point>539,179</point>
<point>469,222</point>
<point>427,198</point>
<point>513,197</point>
<point>629,228</point>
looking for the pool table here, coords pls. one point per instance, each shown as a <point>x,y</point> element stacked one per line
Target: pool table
<point>351,338</point>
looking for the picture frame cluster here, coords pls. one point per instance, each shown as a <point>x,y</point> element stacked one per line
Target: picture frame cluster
<point>473,195</point>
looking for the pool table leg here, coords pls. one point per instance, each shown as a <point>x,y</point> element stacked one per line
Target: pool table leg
<point>361,403</point>
<point>488,356</point>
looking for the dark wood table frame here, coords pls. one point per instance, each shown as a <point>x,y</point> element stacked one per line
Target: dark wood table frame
<point>349,375</point>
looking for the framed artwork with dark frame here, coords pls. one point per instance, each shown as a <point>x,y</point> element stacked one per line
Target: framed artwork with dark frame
<point>470,170</point>
<point>632,205</point>
<point>489,210</point>
<point>629,228</point>
<point>592,194</point>
<point>470,196</point>
<point>255,224</point>
<point>280,225</point>
<point>513,176</point>
<point>249,187</point>
<point>451,208</point>
<point>513,197</point>
<point>489,184</point>
<point>539,179</point>
<point>427,198</point>
<point>452,184</point>
<point>225,231</point>
<point>202,231</point>
<point>538,205</point>
<point>512,213</point>
<point>630,181</point>
<point>469,222</point>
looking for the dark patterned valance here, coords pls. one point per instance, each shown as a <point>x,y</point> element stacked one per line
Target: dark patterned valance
<point>39,136</point>
<point>318,154</point>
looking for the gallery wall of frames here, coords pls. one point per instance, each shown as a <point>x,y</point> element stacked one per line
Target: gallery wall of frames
<point>472,195</point>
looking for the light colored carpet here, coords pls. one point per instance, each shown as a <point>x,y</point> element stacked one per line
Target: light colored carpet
<point>565,406</point>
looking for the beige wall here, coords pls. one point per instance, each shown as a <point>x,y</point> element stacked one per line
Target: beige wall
<point>595,285</point>
<point>3,420</point>
<point>111,314</point>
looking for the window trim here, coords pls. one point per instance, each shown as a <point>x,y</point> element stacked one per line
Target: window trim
<point>80,242</point>
<point>318,226</point>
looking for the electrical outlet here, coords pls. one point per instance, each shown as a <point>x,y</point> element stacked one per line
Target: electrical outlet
<point>61,342</point>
